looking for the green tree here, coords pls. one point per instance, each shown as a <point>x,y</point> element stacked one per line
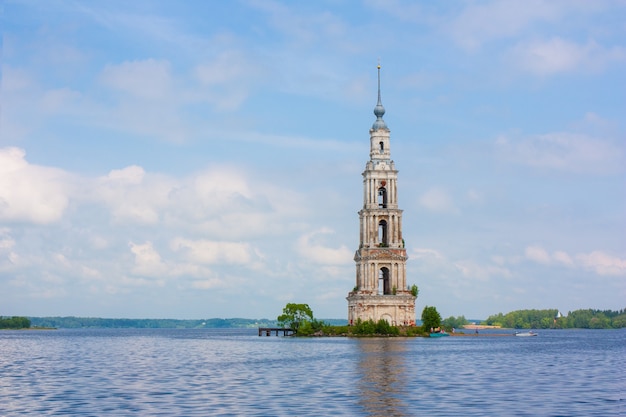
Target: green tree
<point>307,328</point>
<point>14,322</point>
<point>454,322</point>
<point>367,327</point>
<point>414,290</point>
<point>294,315</point>
<point>431,319</point>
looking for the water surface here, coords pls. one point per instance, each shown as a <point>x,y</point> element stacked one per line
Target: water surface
<point>237,373</point>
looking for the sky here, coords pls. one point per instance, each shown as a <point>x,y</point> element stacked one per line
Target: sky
<point>196,159</point>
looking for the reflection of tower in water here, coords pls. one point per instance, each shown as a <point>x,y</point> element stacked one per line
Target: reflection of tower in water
<point>382,378</point>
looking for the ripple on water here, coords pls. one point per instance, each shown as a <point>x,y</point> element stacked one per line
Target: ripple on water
<point>204,372</point>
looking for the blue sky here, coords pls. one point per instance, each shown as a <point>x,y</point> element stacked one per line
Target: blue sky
<point>196,159</point>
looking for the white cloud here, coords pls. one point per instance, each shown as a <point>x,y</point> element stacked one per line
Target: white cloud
<point>222,202</point>
<point>60,100</point>
<point>474,196</point>
<point>438,200</point>
<point>563,151</point>
<point>222,188</point>
<point>302,28</point>
<point>207,284</point>
<point>8,258</point>
<point>29,192</point>
<point>227,67</point>
<point>213,252</point>
<point>133,196</point>
<point>16,79</point>
<point>310,247</point>
<point>486,21</point>
<point>475,271</point>
<point>148,262</point>
<point>537,254</point>
<point>227,79</point>
<point>602,263</point>
<point>558,55</point>
<point>598,261</point>
<point>148,79</point>
<point>425,253</point>
<point>130,175</point>
<point>563,258</point>
<point>6,241</point>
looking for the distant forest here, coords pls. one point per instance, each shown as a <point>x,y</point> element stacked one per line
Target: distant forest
<point>14,323</point>
<point>551,319</point>
<point>104,323</point>
<point>520,319</point>
<point>95,322</point>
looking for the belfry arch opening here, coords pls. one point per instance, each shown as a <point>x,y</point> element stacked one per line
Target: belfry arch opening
<point>382,233</point>
<point>381,147</point>
<point>384,282</point>
<point>382,197</point>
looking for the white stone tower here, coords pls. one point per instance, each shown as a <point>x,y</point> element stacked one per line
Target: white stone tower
<point>381,290</point>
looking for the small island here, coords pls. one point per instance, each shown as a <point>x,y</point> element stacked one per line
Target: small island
<point>14,323</point>
<point>300,320</point>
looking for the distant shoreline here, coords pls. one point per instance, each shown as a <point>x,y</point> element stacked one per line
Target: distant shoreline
<point>480,327</point>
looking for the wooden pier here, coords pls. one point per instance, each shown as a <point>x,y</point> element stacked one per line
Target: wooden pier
<point>268,331</point>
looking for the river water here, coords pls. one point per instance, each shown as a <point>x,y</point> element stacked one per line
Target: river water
<point>209,372</point>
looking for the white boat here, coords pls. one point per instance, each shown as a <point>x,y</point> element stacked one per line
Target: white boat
<point>525,334</point>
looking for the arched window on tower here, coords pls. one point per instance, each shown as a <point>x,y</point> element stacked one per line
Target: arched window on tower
<point>382,233</point>
<point>384,283</point>
<point>382,147</point>
<point>382,197</point>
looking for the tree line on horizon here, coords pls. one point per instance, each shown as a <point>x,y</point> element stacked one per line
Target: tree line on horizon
<point>15,322</point>
<point>519,319</point>
<point>72,322</point>
<point>551,319</point>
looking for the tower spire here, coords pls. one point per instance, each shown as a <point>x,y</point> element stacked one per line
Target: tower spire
<point>379,110</point>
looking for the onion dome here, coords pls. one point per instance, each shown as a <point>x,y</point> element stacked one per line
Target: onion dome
<point>379,110</point>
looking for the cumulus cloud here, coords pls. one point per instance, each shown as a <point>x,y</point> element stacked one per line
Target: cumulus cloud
<point>563,151</point>
<point>599,262</point>
<point>486,21</point>
<point>222,188</point>
<point>537,254</point>
<point>438,200</point>
<point>556,55</point>
<point>8,257</point>
<point>130,197</point>
<point>562,258</point>
<point>312,247</point>
<point>475,271</point>
<point>602,263</point>
<point>148,261</point>
<point>425,253</point>
<point>130,175</point>
<point>30,192</point>
<point>213,252</point>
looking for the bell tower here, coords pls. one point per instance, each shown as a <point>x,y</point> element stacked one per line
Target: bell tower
<point>381,290</point>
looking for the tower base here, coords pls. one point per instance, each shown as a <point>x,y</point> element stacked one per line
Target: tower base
<point>397,310</point>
